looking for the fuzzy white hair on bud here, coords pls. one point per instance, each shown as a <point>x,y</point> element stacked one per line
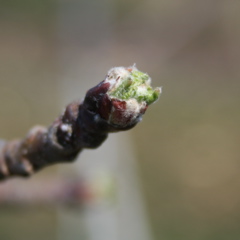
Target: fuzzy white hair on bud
<point>129,83</point>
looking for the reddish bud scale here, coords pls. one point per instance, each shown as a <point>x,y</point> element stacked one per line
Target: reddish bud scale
<point>118,115</point>
<point>108,113</point>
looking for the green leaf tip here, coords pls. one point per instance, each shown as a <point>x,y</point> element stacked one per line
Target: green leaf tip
<point>133,84</point>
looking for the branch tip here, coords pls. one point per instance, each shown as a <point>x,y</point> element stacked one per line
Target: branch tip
<point>115,104</point>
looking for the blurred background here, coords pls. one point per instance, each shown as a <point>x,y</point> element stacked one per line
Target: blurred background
<point>176,176</point>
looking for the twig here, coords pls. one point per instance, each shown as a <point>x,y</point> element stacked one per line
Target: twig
<point>55,191</point>
<point>115,104</point>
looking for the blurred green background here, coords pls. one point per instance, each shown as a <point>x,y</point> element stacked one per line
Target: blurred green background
<point>187,145</point>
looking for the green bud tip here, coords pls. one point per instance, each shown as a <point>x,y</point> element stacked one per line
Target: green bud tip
<point>130,83</point>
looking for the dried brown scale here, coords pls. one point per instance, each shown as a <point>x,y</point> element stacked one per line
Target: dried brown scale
<point>82,125</point>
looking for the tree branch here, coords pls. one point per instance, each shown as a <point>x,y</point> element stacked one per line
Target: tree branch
<point>55,191</point>
<point>115,104</point>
